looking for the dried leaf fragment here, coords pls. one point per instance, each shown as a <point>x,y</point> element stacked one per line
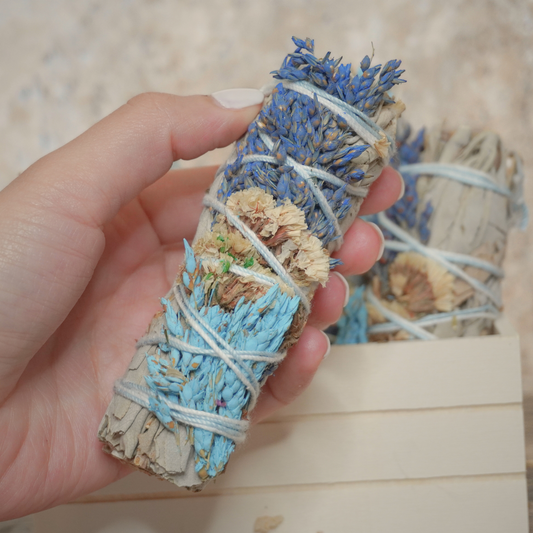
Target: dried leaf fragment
<point>264,524</point>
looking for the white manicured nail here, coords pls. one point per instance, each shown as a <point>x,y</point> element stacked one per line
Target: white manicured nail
<point>329,345</point>
<point>402,192</point>
<point>238,98</point>
<point>347,287</point>
<point>380,233</point>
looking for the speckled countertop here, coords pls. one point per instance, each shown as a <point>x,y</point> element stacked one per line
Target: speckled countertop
<point>64,65</point>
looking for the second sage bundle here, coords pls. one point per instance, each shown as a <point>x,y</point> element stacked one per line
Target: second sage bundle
<point>440,275</point>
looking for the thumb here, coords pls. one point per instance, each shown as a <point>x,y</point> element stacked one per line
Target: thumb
<point>51,216</point>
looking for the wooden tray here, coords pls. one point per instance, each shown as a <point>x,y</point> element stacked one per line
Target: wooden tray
<point>414,437</point>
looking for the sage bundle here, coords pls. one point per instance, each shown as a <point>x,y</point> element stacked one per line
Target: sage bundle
<point>440,275</point>
<point>275,211</point>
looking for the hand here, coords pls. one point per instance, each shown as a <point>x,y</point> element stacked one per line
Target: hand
<point>91,237</point>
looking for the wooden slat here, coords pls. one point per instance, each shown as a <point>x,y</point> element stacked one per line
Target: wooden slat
<point>485,504</point>
<point>389,445</point>
<point>528,420</point>
<point>369,446</point>
<point>415,375</point>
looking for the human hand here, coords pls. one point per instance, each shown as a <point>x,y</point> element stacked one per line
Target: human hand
<point>91,237</point>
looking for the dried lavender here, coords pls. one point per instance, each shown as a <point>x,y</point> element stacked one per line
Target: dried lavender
<point>277,208</point>
<point>445,240</point>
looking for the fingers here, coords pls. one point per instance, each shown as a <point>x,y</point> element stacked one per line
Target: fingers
<point>179,190</point>
<point>174,203</point>
<point>363,246</point>
<point>329,301</point>
<point>384,192</point>
<point>294,374</point>
<point>111,163</point>
<point>51,216</point>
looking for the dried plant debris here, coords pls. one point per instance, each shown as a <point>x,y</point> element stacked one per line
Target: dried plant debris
<point>275,212</point>
<point>441,271</point>
<point>420,284</point>
<point>264,524</point>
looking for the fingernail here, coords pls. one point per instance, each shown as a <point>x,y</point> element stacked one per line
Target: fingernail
<point>402,192</point>
<point>347,293</point>
<point>238,98</point>
<point>380,233</point>
<point>329,345</point>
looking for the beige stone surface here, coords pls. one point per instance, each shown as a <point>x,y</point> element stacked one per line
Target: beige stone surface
<point>64,65</point>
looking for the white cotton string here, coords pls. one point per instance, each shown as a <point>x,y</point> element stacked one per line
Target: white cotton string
<point>311,171</point>
<point>267,255</point>
<point>364,126</point>
<point>409,326</point>
<point>475,178</point>
<point>227,427</point>
<point>252,355</point>
<point>460,173</point>
<point>461,259</point>
<point>221,425</point>
<point>485,311</point>
<point>230,353</point>
<point>244,272</point>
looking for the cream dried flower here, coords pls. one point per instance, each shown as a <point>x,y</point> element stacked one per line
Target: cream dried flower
<point>420,284</point>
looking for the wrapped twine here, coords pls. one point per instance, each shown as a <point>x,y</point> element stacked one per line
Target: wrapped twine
<point>440,275</point>
<point>278,206</point>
